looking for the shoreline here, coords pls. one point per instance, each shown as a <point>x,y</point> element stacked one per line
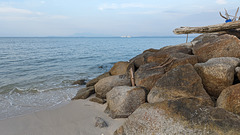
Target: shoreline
<point>76,117</point>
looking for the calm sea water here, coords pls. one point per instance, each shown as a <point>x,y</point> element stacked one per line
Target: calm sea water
<point>36,73</point>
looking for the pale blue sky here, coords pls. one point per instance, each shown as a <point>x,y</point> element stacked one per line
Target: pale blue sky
<point>106,17</point>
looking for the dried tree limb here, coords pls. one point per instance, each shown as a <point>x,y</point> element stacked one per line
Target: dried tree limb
<point>208,29</point>
<point>223,16</point>
<point>132,77</point>
<point>235,17</point>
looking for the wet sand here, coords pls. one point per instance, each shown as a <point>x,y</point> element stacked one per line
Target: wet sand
<point>75,118</point>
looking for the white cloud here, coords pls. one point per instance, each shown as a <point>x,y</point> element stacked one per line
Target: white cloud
<point>11,10</point>
<point>221,2</point>
<point>11,13</point>
<point>108,6</point>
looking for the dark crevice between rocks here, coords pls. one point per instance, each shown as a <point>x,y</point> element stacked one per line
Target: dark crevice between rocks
<point>234,32</point>
<point>236,80</point>
<point>214,99</point>
<point>191,53</point>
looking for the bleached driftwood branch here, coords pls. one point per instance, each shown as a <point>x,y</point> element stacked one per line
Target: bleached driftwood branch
<point>208,29</point>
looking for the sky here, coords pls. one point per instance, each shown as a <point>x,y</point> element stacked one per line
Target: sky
<point>37,18</point>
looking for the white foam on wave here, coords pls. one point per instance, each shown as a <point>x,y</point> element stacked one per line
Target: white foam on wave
<point>20,102</point>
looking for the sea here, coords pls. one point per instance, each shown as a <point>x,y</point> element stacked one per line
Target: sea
<point>36,73</point>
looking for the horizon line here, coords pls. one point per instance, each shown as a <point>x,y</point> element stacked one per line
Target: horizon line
<point>175,36</point>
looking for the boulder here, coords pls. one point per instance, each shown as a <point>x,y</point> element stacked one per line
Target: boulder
<point>217,74</point>
<point>229,99</point>
<point>84,93</point>
<point>124,100</point>
<point>182,116</point>
<point>79,82</point>
<point>98,100</point>
<point>147,75</point>
<point>100,123</point>
<point>95,80</point>
<point>185,48</point>
<point>164,53</point>
<point>159,56</point>
<point>151,50</point>
<point>141,59</point>
<point>182,81</point>
<point>106,84</point>
<point>172,60</point>
<point>180,59</point>
<point>217,46</point>
<point>204,38</point>
<point>119,68</point>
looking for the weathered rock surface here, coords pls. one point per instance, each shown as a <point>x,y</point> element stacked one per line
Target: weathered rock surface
<point>119,68</point>
<point>229,99</point>
<point>185,48</point>
<point>100,123</point>
<point>204,38</point>
<point>106,84</point>
<point>182,116</point>
<point>159,56</point>
<point>147,75</point>
<point>217,74</point>
<point>180,59</point>
<point>79,82</point>
<point>141,59</point>
<point>170,52</point>
<point>217,46</point>
<point>124,100</point>
<point>84,93</point>
<point>179,82</point>
<point>98,100</point>
<point>151,50</point>
<point>172,60</point>
<point>95,80</point>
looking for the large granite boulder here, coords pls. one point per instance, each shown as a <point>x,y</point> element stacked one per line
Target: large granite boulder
<point>141,59</point>
<point>159,56</point>
<point>229,99</point>
<point>124,100</point>
<point>169,52</point>
<point>151,50</point>
<point>185,48</point>
<point>106,84</point>
<point>147,75</point>
<point>204,38</point>
<point>179,82</point>
<point>98,100</point>
<point>183,116</point>
<point>217,74</point>
<point>95,80</point>
<point>119,68</point>
<point>217,46</point>
<point>180,59</point>
<point>84,93</point>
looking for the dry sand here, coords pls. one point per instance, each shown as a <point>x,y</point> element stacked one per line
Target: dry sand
<point>75,118</point>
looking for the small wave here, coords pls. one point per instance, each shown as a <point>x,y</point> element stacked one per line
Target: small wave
<point>35,90</point>
<point>24,91</point>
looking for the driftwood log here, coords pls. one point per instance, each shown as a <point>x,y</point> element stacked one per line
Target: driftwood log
<point>208,29</point>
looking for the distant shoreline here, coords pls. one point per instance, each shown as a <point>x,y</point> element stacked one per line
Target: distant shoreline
<point>181,36</point>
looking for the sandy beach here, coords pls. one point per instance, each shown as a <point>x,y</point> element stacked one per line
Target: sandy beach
<point>75,118</point>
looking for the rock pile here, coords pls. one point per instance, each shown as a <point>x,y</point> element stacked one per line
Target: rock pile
<point>191,88</point>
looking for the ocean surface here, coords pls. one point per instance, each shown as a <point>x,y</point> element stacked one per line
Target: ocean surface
<point>37,73</point>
